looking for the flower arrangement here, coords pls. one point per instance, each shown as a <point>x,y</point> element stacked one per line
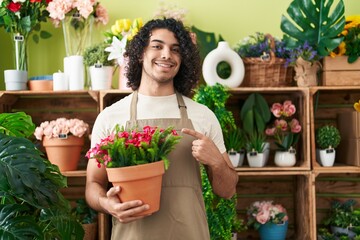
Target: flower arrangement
<point>61,128</point>
<point>350,46</point>
<point>285,128</point>
<point>119,35</point>
<point>58,9</point>
<point>304,51</point>
<point>259,45</point>
<point>133,147</point>
<point>260,213</point>
<point>170,10</point>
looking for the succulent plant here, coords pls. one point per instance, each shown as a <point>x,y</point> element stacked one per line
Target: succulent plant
<point>327,136</point>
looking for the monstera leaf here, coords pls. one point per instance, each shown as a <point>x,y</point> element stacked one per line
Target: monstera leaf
<point>16,124</point>
<point>313,22</point>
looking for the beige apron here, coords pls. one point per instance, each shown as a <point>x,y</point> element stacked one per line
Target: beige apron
<point>182,213</point>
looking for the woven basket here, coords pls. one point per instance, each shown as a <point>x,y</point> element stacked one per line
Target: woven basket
<point>267,70</point>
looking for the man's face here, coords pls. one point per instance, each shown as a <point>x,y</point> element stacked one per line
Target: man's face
<point>161,58</point>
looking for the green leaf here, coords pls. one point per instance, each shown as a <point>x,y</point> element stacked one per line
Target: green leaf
<point>36,38</point>
<point>45,34</point>
<point>312,22</point>
<point>16,124</point>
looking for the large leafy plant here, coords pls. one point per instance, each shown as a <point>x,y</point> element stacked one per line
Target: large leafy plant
<point>31,205</point>
<point>316,22</point>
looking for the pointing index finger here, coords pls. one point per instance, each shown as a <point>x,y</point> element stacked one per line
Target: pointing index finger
<point>192,133</point>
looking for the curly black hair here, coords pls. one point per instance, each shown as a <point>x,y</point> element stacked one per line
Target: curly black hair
<point>190,68</point>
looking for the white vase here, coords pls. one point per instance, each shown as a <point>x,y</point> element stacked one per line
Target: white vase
<point>101,77</point>
<point>75,72</point>
<point>327,157</point>
<point>285,158</point>
<point>15,80</point>
<point>223,53</point>
<point>256,159</point>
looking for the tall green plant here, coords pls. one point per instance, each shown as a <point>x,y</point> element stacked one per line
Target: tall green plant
<point>221,213</point>
<point>316,22</point>
<point>31,205</point>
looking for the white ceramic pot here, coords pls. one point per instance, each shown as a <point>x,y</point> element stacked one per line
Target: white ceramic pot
<point>101,77</point>
<point>236,158</point>
<point>285,159</point>
<point>256,159</point>
<point>15,80</point>
<point>346,231</point>
<point>75,72</point>
<point>327,157</point>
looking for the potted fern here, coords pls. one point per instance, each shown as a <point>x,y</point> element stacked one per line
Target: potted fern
<point>32,206</point>
<point>327,139</point>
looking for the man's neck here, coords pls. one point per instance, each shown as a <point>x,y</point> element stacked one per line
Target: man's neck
<point>156,89</point>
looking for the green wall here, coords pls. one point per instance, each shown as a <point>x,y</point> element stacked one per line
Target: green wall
<point>233,19</point>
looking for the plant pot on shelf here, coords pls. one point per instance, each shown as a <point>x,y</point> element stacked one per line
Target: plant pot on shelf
<point>236,158</point>
<point>285,158</point>
<point>101,77</point>
<point>306,73</point>
<point>326,157</point>
<point>339,230</point>
<point>64,152</point>
<point>140,182</point>
<point>15,80</point>
<point>272,231</point>
<point>90,230</point>
<point>256,159</point>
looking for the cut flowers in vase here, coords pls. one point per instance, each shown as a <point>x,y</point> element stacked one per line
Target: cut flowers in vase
<point>119,35</point>
<point>304,51</point>
<point>61,128</point>
<point>135,147</point>
<point>285,129</point>
<point>350,46</point>
<point>260,213</point>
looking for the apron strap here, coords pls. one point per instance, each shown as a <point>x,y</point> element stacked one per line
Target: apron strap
<point>180,100</point>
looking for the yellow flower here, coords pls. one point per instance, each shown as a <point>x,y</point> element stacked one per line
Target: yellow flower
<point>137,23</point>
<point>357,106</point>
<point>339,51</point>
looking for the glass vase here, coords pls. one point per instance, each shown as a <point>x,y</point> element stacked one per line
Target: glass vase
<point>77,33</point>
<point>20,51</point>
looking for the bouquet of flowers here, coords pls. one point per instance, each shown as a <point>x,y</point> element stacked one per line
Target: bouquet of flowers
<point>133,147</point>
<point>61,128</point>
<point>286,128</point>
<point>350,46</point>
<point>263,212</point>
<point>305,51</point>
<point>119,35</point>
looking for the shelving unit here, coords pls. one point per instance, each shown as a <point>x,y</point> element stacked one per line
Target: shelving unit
<point>305,189</point>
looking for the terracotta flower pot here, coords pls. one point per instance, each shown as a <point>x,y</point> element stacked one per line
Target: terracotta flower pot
<point>141,182</point>
<point>65,153</point>
<point>90,230</point>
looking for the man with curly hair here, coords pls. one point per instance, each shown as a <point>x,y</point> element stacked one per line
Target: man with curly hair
<point>164,66</point>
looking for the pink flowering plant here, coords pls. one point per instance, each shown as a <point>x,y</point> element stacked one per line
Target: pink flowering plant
<point>133,147</point>
<point>263,212</point>
<point>58,9</point>
<point>61,128</point>
<point>286,128</point>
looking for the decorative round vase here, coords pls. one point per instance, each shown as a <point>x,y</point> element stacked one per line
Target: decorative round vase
<point>272,231</point>
<point>285,158</point>
<point>101,77</point>
<point>223,53</point>
<point>140,182</point>
<point>306,73</point>
<point>64,152</point>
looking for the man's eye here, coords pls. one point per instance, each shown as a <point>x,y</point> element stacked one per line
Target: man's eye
<point>176,50</point>
<point>156,46</point>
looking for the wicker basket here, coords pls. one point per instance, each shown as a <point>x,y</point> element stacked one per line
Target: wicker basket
<point>267,70</point>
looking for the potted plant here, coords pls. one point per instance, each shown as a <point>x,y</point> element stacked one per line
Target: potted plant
<point>101,69</point>
<point>285,131</point>
<point>235,142</point>
<point>130,156</point>
<point>343,217</point>
<point>254,115</point>
<point>271,220</point>
<point>327,139</point>
<point>32,206</point>
<point>63,140</point>
<point>255,150</point>
<point>87,217</point>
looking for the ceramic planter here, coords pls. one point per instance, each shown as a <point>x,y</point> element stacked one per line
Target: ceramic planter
<point>141,182</point>
<point>90,230</point>
<point>346,231</point>
<point>236,158</point>
<point>101,77</point>
<point>327,157</point>
<point>272,231</point>
<point>64,152</point>
<point>256,159</point>
<point>285,158</point>
<point>15,80</point>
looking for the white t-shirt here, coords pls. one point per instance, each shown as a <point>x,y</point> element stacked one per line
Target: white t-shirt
<point>149,107</point>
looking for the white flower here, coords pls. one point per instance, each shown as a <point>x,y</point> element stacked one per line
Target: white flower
<point>117,50</point>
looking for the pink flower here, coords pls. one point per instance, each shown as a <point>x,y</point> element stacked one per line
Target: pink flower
<point>289,109</point>
<point>270,131</point>
<point>101,15</point>
<point>14,7</point>
<point>276,109</point>
<point>263,216</point>
<point>295,126</point>
<point>281,124</point>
